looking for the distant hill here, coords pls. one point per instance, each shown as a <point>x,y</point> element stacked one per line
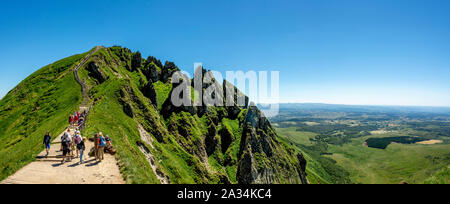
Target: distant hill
<point>363,108</point>
<point>156,141</point>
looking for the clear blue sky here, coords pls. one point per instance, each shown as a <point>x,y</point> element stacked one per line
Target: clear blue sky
<point>382,52</point>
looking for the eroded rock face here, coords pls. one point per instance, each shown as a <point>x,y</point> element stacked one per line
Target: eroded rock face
<point>168,107</point>
<point>263,159</point>
<point>183,126</point>
<point>247,172</point>
<point>302,168</point>
<point>151,72</point>
<point>128,109</point>
<point>132,105</point>
<point>157,62</point>
<point>136,61</point>
<point>226,138</point>
<point>149,91</point>
<point>233,111</point>
<point>168,70</point>
<point>96,73</point>
<point>211,139</point>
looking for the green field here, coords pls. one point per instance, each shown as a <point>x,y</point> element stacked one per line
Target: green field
<point>411,163</point>
<point>336,144</point>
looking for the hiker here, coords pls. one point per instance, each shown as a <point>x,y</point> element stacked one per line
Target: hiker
<point>80,122</point>
<point>47,141</point>
<point>71,120</point>
<point>65,143</point>
<point>73,145</point>
<point>101,146</point>
<point>81,147</point>
<point>69,144</point>
<point>78,139</point>
<point>76,120</point>
<point>66,133</point>
<point>109,147</point>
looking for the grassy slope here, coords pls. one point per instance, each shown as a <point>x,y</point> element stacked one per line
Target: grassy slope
<point>320,170</point>
<point>162,92</point>
<point>104,117</point>
<point>441,177</point>
<point>40,103</point>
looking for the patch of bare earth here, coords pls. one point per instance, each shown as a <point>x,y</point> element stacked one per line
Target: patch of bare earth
<point>431,142</point>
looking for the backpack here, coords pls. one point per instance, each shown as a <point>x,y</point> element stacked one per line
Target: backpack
<point>78,139</point>
<point>101,141</point>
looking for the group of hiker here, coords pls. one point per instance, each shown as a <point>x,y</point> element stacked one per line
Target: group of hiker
<point>75,143</point>
<point>70,143</point>
<point>77,119</point>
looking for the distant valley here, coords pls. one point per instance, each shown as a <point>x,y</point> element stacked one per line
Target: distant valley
<point>369,144</point>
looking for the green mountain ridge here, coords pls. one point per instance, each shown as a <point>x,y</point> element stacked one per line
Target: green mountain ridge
<point>157,142</point>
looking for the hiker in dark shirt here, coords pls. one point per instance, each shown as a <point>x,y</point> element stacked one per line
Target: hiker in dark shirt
<point>81,147</point>
<point>47,141</point>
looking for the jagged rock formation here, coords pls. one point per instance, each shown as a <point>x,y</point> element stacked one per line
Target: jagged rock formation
<point>149,91</point>
<point>96,73</point>
<point>136,61</point>
<point>150,70</point>
<point>169,69</point>
<point>192,144</point>
<point>264,160</point>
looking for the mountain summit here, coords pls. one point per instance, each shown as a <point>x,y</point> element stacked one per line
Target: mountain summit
<point>157,142</point>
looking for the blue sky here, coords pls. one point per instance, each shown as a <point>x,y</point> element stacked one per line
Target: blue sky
<point>377,52</point>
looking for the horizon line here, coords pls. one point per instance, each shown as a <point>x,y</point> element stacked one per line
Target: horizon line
<point>341,104</point>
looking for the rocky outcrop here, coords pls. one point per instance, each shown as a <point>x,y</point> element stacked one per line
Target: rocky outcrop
<point>149,91</point>
<point>233,111</point>
<point>301,168</point>
<point>155,61</point>
<point>211,139</point>
<point>226,138</point>
<point>151,121</point>
<point>128,109</point>
<point>136,61</point>
<point>96,73</point>
<point>168,107</point>
<point>124,55</point>
<point>168,70</point>
<point>187,133</point>
<point>263,159</point>
<point>151,71</point>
